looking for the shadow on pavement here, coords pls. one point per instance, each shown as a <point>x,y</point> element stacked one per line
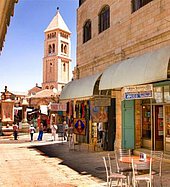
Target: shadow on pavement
<point>83,161</point>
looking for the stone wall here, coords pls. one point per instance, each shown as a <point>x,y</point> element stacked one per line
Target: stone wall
<point>130,34</point>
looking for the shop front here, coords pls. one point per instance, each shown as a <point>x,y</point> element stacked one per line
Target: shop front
<point>151,104</point>
<point>142,115</point>
<point>90,110</point>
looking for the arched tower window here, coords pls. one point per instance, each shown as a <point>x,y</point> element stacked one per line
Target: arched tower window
<point>104,18</point>
<point>65,49</point>
<point>62,47</point>
<point>46,87</point>
<point>49,49</point>
<point>51,87</point>
<point>87,31</point>
<point>53,48</point>
<point>51,66</point>
<point>64,67</point>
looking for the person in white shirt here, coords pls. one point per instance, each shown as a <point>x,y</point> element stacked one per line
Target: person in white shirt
<point>100,129</point>
<point>32,131</point>
<point>53,131</point>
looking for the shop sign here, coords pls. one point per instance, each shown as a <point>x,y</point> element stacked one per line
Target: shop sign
<point>58,107</point>
<point>102,101</point>
<point>138,92</point>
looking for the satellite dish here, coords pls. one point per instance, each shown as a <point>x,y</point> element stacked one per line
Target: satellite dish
<point>55,90</point>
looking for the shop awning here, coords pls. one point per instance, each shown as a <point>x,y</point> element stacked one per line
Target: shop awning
<point>79,88</point>
<point>147,68</point>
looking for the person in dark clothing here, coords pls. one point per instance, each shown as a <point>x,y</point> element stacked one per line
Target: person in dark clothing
<point>15,131</point>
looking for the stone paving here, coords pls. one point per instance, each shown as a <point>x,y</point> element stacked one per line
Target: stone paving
<point>46,163</point>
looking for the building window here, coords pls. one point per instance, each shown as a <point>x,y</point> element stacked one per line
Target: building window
<point>64,67</point>
<point>137,4</point>
<point>53,48</point>
<point>87,31</point>
<point>81,2</point>
<point>65,49</point>
<point>104,19</point>
<point>62,46</point>
<point>64,35</point>
<point>49,49</point>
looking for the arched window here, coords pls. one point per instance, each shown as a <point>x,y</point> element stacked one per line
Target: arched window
<point>87,31</point>
<point>46,87</point>
<point>65,49</point>
<point>104,19</point>
<point>53,48</point>
<point>51,66</point>
<point>51,87</point>
<point>49,49</point>
<point>64,67</point>
<point>62,48</point>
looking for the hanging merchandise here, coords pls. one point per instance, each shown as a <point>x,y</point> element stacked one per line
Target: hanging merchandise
<point>98,114</point>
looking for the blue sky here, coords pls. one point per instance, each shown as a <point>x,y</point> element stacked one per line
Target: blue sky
<point>21,58</point>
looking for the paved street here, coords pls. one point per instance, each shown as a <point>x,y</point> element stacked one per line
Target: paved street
<point>51,164</point>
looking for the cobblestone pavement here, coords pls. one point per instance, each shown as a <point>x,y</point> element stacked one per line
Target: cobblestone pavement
<point>47,163</point>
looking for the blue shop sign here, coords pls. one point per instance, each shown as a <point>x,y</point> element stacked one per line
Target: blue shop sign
<point>143,95</point>
<point>138,92</point>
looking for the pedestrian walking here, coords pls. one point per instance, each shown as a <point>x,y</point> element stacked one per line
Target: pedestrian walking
<point>53,131</point>
<point>15,131</point>
<point>65,130</point>
<point>32,131</point>
<point>40,134</point>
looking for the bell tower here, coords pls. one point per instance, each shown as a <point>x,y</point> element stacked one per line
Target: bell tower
<point>57,52</point>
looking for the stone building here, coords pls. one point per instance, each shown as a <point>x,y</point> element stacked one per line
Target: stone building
<point>56,63</point>
<point>57,51</point>
<point>124,49</point>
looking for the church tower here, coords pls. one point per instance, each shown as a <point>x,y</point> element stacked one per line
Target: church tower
<point>57,54</point>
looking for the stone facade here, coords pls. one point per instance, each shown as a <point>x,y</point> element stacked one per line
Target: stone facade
<point>129,35</point>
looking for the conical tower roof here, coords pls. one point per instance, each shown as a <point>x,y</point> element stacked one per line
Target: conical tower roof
<point>57,23</point>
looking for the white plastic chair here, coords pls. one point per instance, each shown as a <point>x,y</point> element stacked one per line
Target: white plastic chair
<point>138,167</point>
<point>122,167</point>
<point>114,176</point>
<point>157,157</point>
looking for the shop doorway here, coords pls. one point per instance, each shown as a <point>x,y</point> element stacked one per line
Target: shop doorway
<point>152,127</point>
<point>158,132</point>
<point>128,124</point>
<point>112,124</point>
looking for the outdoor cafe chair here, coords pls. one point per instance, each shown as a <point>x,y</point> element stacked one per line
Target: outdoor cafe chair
<point>111,176</point>
<point>157,157</point>
<point>122,167</point>
<point>138,168</point>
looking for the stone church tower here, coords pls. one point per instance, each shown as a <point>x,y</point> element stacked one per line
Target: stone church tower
<point>57,52</point>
